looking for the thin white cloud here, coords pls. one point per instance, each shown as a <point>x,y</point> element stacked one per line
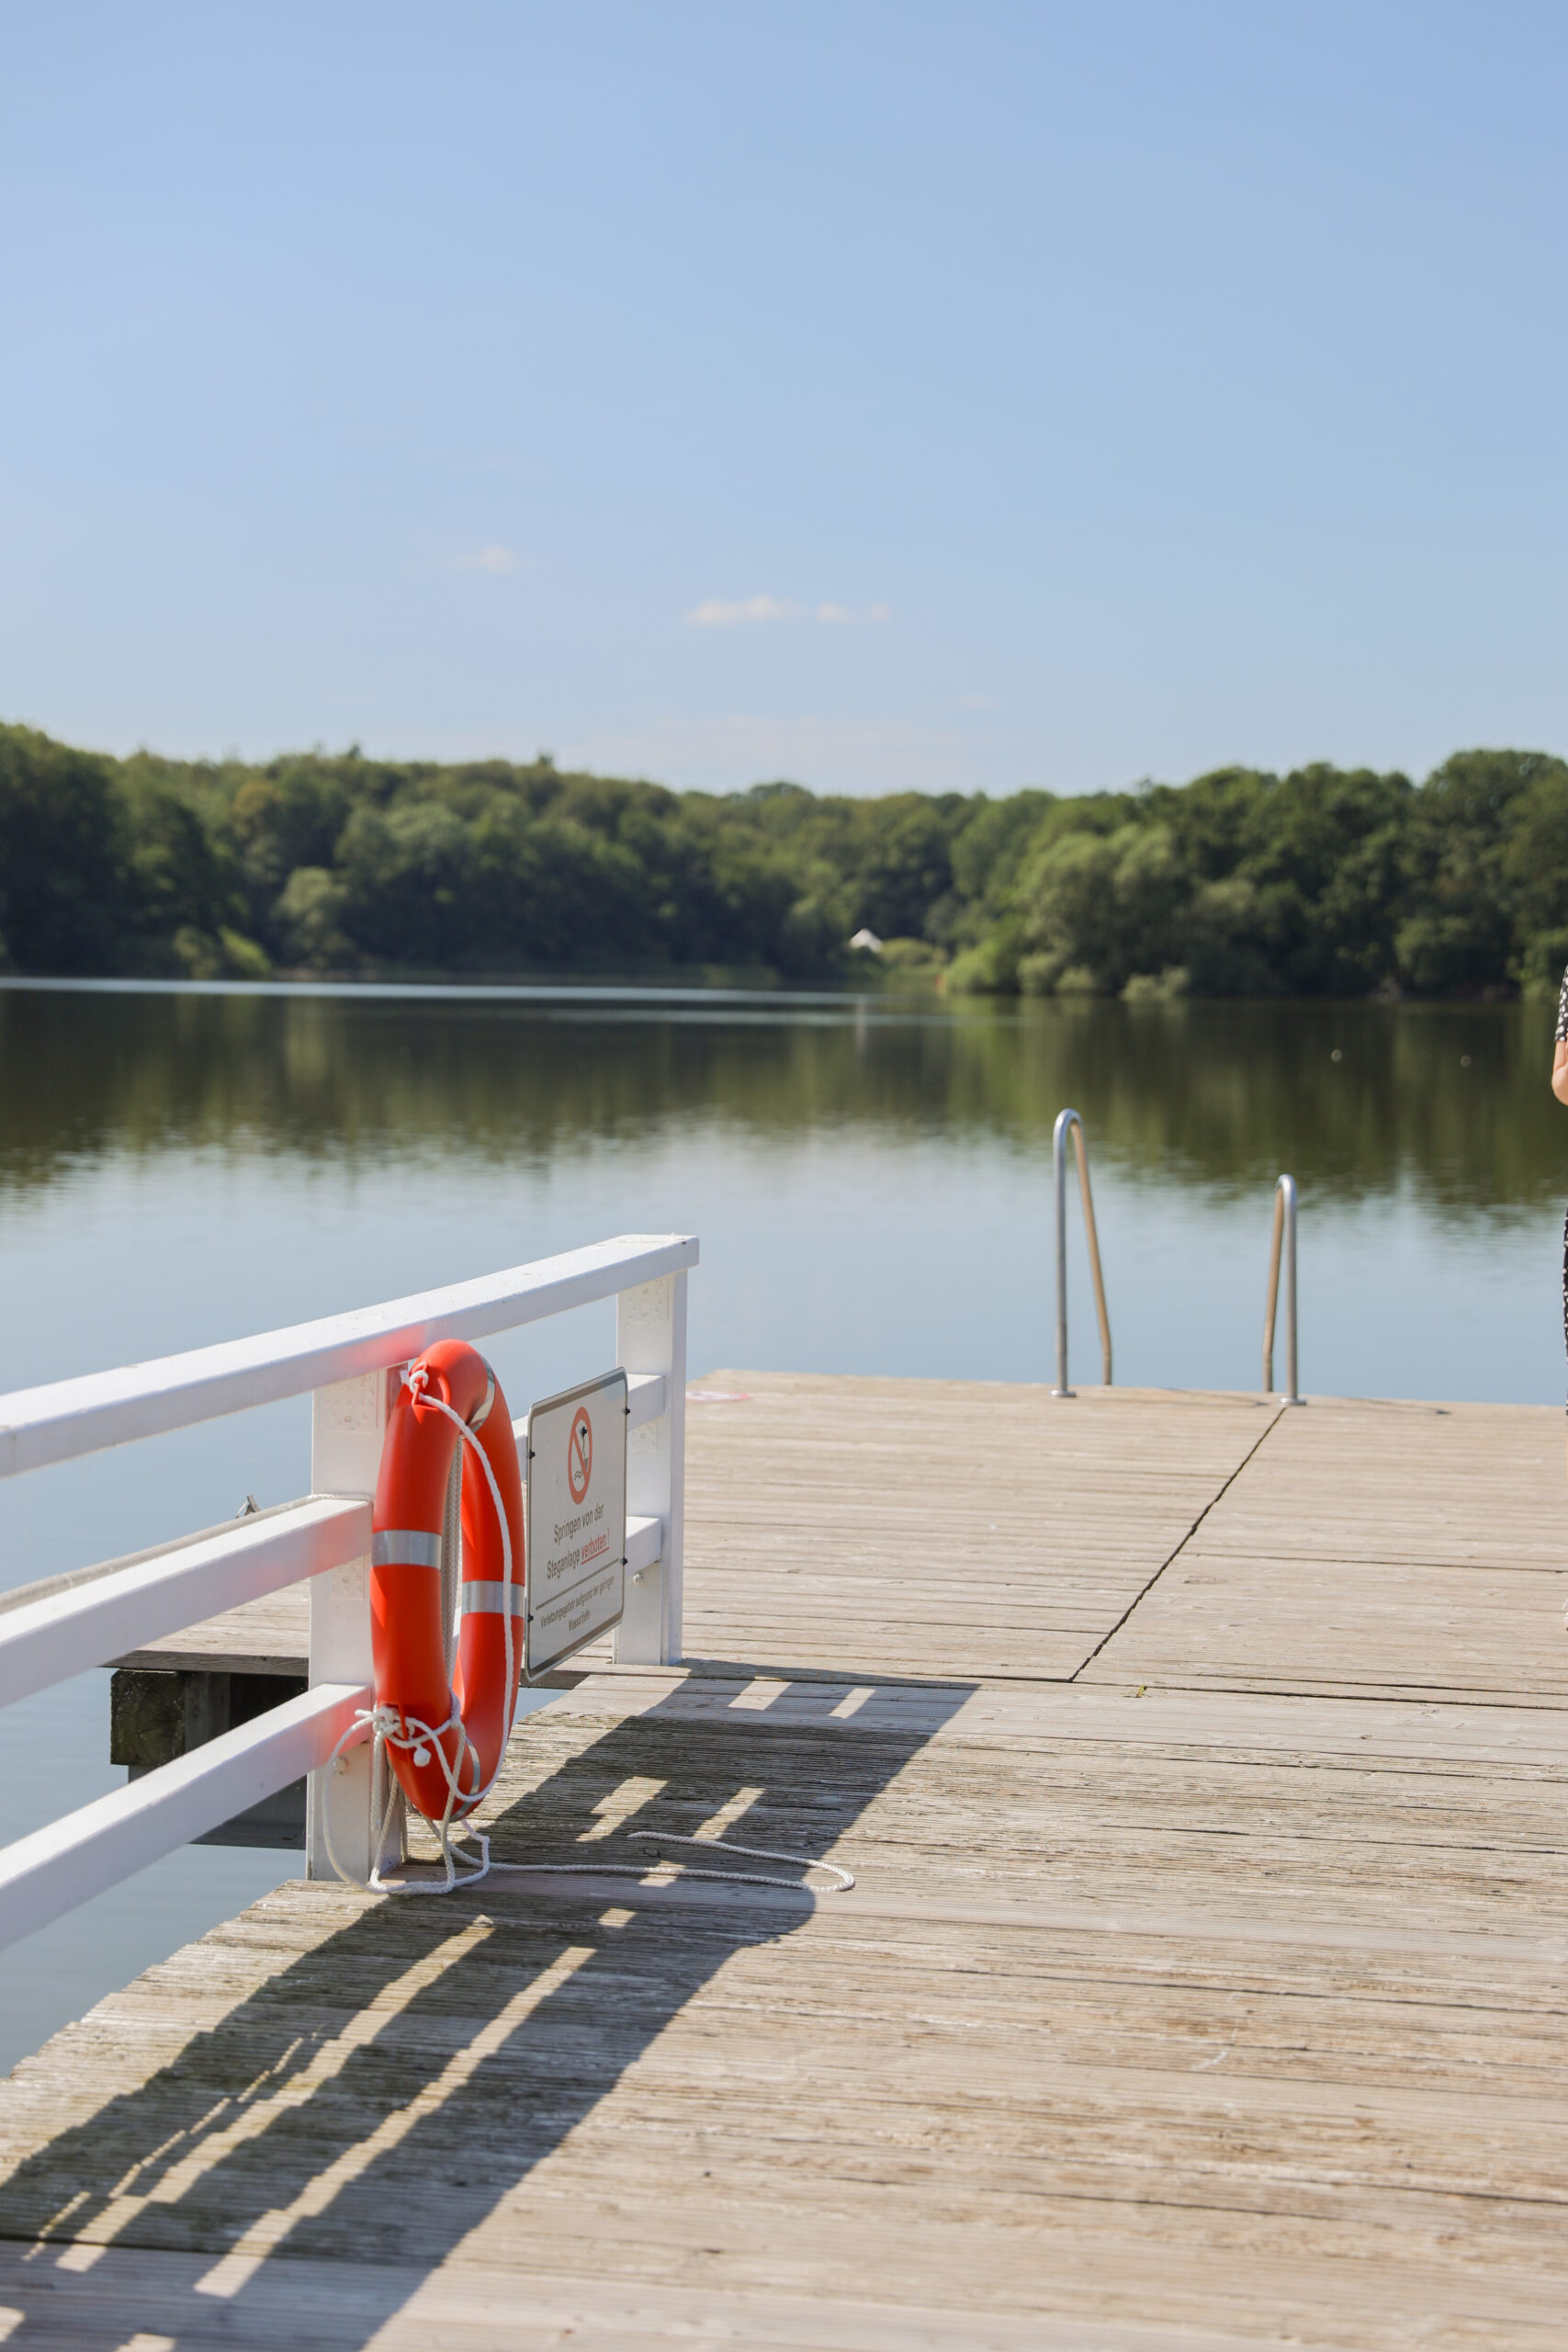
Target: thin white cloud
<point>491,558</point>
<point>717,614</point>
<point>845,617</point>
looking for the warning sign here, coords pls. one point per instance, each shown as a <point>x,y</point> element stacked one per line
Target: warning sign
<point>576,1474</point>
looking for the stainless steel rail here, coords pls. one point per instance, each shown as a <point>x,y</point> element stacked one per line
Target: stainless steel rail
<point>1066,1119</point>
<point>1284,1232</point>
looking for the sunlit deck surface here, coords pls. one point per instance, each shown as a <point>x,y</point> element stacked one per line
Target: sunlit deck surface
<point>1203,1769</point>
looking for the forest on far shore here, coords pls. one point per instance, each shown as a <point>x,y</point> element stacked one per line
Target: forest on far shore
<point>1324,882</point>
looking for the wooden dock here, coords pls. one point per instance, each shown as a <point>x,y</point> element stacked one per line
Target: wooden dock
<point>1202,1768</point>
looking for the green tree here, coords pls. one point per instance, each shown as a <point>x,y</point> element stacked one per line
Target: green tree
<point>66,902</point>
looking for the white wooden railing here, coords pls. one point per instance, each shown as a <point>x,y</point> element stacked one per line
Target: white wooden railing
<point>351,1363</point>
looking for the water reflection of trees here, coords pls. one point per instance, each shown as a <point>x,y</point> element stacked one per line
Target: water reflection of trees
<point>1218,1094</point>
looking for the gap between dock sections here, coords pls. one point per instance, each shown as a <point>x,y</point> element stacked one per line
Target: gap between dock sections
<point>1271,1425</point>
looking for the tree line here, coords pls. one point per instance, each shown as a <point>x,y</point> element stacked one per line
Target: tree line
<point>1322,882</point>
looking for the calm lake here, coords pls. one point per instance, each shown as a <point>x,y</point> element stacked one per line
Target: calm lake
<point>870,1179</point>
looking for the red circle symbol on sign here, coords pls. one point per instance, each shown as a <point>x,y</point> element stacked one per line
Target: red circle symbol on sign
<point>580,1454</point>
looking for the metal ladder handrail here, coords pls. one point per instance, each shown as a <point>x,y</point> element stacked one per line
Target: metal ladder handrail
<point>1066,1119</point>
<point>1284,1232</point>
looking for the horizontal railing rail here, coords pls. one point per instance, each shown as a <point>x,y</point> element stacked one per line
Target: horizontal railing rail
<point>90,1617</point>
<point>47,1640</point>
<point>53,1869</point>
<point>69,1418</point>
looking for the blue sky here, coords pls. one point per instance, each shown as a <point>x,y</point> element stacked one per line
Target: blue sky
<point>956,397</point>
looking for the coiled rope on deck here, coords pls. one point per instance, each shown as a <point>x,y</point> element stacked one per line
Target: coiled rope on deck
<point>708,1844</point>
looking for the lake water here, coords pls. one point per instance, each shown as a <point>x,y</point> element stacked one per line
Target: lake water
<point>870,1177</point>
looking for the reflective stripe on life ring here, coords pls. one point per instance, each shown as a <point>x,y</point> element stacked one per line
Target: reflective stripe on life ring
<point>476,1595</point>
<point>408,1545</point>
<point>405,1599</point>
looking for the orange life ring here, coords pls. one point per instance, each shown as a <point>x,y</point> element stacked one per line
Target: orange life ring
<point>467,1722</point>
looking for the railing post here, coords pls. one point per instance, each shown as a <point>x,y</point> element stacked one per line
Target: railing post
<point>348,1424</point>
<point>1284,1233</point>
<point>1066,1119</point>
<point>1059,1186</point>
<point>650,1336</point>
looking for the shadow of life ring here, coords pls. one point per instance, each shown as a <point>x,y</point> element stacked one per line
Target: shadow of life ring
<point>449,1737</point>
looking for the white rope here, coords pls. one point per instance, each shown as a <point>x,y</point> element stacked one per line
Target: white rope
<point>636,1870</point>
<point>418,1379</point>
<point>566,1870</point>
<point>389,1727</point>
<point>663,1837</point>
<point>760,1853</point>
<point>451,1562</point>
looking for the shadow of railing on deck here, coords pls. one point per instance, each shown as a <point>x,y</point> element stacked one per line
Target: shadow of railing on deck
<point>388,2143</point>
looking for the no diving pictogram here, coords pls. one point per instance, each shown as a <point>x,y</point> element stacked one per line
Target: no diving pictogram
<point>579,1453</point>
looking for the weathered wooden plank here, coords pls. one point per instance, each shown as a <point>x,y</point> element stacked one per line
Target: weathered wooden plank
<point>301,2305</point>
<point>267,1636</point>
<point>1398,1549</point>
<point>1070,2079</point>
<point>1185,2001</point>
